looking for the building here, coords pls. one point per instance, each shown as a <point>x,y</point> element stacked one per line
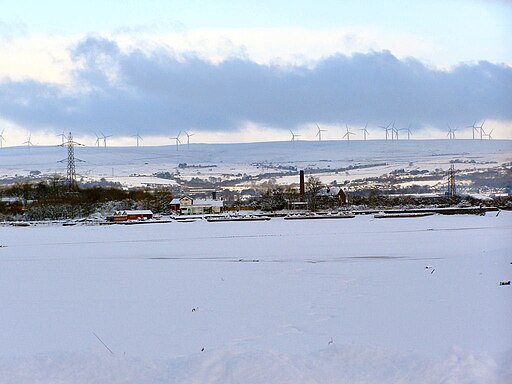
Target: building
<point>12,205</point>
<point>186,205</point>
<point>299,205</point>
<point>333,194</point>
<point>174,205</point>
<point>127,215</point>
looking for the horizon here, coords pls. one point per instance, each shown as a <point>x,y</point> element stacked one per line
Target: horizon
<point>183,146</point>
<point>373,134</point>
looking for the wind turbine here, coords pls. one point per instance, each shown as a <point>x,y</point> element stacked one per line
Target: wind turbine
<point>451,132</point>
<point>482,132</point>
<point>2,138</point>
<point>177,138</point>
<point>347,135</point>
<point>137,136</point>
<point>97,142</point>
<point>387,129</point>
<point>62,135</point>
<point>319,133</point>
<point>189,135</point>
<point>105,139</point>
<point>473,129</point>
<point>28,142</point>
<point>489,134</point>
<point>408,130</point>
<point>293,135</point>
<point>365,131</point>
<point>394,130</point>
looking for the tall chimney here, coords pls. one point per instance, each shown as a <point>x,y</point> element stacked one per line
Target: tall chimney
<point>302,188</point>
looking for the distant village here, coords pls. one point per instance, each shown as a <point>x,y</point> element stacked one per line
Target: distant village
<point>51,200</point>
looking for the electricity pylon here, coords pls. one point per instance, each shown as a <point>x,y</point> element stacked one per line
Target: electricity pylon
<point>452,190</point>
<point>71,171</point>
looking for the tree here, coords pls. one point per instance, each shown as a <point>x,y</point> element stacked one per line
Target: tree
<point>273,200</point>
<point>313,186</point>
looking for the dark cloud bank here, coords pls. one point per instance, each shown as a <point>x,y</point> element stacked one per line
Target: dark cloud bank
<point>158,93</point>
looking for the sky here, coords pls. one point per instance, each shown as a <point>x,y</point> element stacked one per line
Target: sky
<point>253,71</point>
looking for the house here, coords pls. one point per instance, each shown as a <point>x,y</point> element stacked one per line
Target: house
<point>174,205</point>
<point>334,194</point>
<point>13,205</point>
<point>299,205</point>
<point>127,215</point>
<point>189,206</point>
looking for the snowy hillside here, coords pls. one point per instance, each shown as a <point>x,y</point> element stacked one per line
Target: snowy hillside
<point>138,166</point>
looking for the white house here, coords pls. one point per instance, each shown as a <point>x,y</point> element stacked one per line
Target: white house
<point>188,206</point>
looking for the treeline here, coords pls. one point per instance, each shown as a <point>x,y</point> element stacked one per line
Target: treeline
<point>52,200</point>
<point>275,199</point>
<point>374,199</point>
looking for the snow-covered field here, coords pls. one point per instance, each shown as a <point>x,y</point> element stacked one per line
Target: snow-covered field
<point>318,301</point>
<point>134,166</point>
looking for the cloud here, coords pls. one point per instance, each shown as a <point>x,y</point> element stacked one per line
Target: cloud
<point>160,92</point>
<point>10,30</point>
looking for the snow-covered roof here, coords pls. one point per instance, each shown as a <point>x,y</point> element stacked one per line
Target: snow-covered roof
<point>329,191</point>
<point>212,202</point>
<point>9,199</point>
<point>137,212</point>
<point>203,202</point>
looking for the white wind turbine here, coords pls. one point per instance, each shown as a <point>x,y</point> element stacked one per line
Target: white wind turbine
<point>2,139</point>
<point>386,128</point>
<point>189,135</point>
<point>365,131</point>
<point>138,137</point>
<point>474,128</point>
<point>319,133</point>
<point>489,134</point>
<point>177,139</point>
<point>347,134</point>
<point>28,142</point>
<point>481,128</point>
<point>451,132</point>
<point>408,130</point>
<point>97,142</point>
<point>62,135</point>
<point>105,137</point>
<point>394,130</point>
<point>293,135</point>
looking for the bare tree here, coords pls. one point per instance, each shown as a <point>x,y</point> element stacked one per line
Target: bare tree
<point>313,186</point>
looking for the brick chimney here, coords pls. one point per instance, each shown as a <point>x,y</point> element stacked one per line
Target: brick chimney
<point>302,187</point>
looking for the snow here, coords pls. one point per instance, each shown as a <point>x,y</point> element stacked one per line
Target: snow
<point>279,301</point>
<point>135,166</point>
<point>135,212</point>
<point>209,202</point>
